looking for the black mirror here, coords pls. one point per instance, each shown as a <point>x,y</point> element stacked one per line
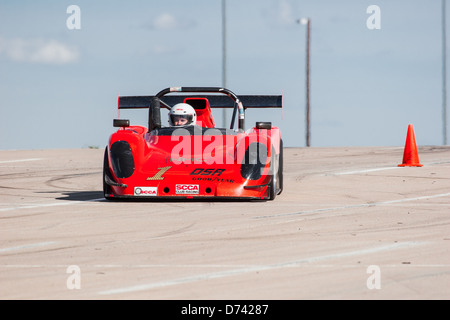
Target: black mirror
<point>264,125</point>
<point>121,123</point>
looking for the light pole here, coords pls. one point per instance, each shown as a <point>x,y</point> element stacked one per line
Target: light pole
<point>307,21</point>
<point>224,58</point>
<point>444,77</point>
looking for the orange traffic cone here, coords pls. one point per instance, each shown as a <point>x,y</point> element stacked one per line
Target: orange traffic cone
<point>410,155</point>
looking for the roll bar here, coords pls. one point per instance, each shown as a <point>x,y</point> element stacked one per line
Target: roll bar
<point>155,105</point>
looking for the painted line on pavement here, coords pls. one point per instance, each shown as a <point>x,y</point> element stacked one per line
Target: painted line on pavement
<point>235,272</point>
<point>27,246</point>
<point>360,205</point>
<point>382,169</point>
<point>365,171</point>
<point>20,160</point>
<point>53,204</point>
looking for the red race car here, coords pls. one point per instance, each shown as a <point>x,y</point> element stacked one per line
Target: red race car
<point>194,159</point>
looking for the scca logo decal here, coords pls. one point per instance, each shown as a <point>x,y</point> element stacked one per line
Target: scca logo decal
<point>145,191</point>
<point>207,172</point>
<point>187,189</point>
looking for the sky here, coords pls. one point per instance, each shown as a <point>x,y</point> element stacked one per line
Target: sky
<point>372,72</point>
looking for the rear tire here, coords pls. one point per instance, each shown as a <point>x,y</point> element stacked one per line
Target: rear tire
<point>273,185</point>
<point>280,169</point>
<point>276,183</point>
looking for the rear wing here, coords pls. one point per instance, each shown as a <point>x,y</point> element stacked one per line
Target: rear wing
<point>215,101</point>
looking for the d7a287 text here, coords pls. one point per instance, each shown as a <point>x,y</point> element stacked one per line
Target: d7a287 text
<point>246,309</point>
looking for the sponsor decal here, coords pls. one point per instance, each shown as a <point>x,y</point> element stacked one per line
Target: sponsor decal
<point>186,189</point>
<point>213,179</point>
<point>207,172</point>
<point>146,191</point>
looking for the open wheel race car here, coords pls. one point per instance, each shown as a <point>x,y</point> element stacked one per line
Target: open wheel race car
<point>198,161</point>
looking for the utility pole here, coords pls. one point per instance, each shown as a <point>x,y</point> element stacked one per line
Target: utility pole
<point>307,21</point>
<point>224,58</point>
<point>444,77</point>
<point>308,112</point>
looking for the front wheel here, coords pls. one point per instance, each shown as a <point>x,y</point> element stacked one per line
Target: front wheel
<point>106,173</point>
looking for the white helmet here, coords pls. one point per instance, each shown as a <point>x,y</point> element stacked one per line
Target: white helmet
<point>183,111</point>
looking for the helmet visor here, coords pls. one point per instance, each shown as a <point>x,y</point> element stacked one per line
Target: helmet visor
<point>181,119</point>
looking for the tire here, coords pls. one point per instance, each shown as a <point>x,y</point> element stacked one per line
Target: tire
<point>280,169</point>
<point>106,172</point>
<point>276,183</point>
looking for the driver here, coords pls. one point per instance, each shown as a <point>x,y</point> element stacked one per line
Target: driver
<point>182,114</point>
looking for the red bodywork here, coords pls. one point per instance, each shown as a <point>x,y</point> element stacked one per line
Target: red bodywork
<point>197,162</point>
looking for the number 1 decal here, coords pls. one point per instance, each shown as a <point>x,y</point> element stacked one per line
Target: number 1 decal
<point>158,175</point>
